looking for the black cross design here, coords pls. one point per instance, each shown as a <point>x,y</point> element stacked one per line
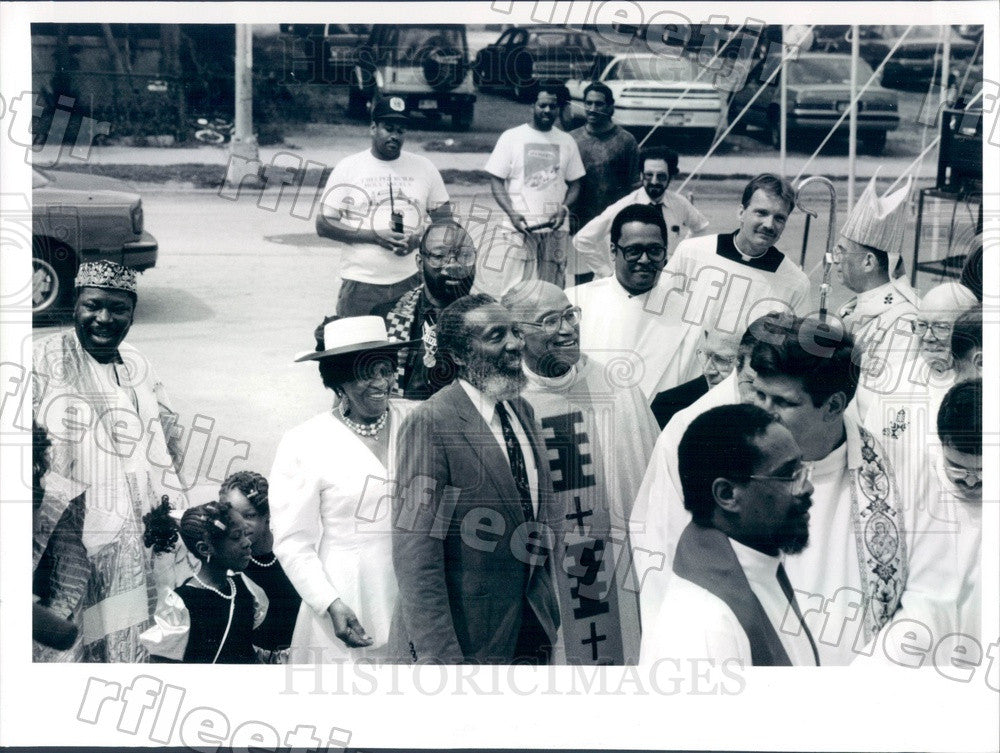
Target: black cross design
<point>579,515</point>
<point>593,640</point>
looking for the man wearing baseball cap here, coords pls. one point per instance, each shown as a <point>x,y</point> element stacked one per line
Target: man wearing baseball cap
<point>374,205</point>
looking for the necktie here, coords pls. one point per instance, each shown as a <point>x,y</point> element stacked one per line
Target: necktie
<point>786,588</point>
<point>516,458</point>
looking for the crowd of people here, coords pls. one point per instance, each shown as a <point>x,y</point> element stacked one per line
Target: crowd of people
<point>607,436</point>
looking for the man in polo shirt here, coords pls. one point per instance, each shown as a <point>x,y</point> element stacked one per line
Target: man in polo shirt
<point>659,166</point>
<point>374,204</point>
<point>732,278</point>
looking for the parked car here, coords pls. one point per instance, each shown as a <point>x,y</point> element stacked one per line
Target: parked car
<point>818,92</point>
<point>918,61</point>
<point>522,57</point>
<point>646,85</point>
<point>427,66</point>
<point>77,218</point>
<point>335,50</point>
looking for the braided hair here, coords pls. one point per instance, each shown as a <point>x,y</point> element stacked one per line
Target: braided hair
<point>209,522</point>
<point>251,485</point>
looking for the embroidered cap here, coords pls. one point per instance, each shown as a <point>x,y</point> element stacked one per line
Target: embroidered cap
<point>389,108</point>
<point>106,274</point>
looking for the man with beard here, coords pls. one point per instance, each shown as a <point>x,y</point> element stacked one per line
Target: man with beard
<point>628,320</point>
<point>473,516</point>
<point>111,430</point>
<point>535,172</point>
<point>733,277</point>
<point>447,264</point>
<point>878,554</point>
<point>374,204</point>
<point>748,492</point>
<point>659,166</point>
<point>599,437</point>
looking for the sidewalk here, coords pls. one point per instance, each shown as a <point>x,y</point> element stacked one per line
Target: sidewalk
<point>327,152</point>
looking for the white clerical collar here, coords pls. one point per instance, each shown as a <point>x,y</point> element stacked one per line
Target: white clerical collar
<point>743,256</point>
<point>558,383</point>
<point>757,566</point>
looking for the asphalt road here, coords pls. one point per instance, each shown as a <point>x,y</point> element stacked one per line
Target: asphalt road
<point>239,288</point>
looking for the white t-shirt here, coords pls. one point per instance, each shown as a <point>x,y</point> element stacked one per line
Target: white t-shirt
<point>357,193</point>
<point>537,166</point>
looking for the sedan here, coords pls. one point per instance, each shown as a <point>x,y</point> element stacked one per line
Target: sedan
<point>77,218</point>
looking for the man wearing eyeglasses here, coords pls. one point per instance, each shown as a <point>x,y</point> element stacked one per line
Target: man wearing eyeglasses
<point>659,166</point>
<point>748,491</point>
<point>717,356</point>
<point>629,320</point>
<point>878,552</point>
<point>447,265</point>
<point>599,437</point>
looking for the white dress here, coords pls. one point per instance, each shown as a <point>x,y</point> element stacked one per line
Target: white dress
<point>331,504</point>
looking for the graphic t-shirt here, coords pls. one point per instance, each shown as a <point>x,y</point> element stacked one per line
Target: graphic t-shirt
<point>357,193</point>
<point>537,165</point>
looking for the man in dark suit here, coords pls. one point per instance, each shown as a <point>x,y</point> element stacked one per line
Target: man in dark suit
<point>474,519</point>
<point>717,356</point>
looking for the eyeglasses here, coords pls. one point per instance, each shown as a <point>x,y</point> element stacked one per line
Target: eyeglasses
<point>550,323</point>
<point>797,480</point>
<point>970,476</point>
<point>722,363</point>
<point>465,257</point>
<point>659,177</point>
<point>656,252</point>
<point>940,330</point>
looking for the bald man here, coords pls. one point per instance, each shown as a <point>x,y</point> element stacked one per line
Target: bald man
<point>599,436</point>
<point>717,359</point>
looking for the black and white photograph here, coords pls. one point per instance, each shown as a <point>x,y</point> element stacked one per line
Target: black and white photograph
<point>538,375</point>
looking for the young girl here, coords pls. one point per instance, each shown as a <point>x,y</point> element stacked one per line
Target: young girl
<point>210,618</point>
<point>246,491</point>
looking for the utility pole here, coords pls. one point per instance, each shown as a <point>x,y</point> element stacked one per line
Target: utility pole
<point>243,147</point>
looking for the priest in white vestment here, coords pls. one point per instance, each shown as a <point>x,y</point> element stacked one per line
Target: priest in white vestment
<point>631,320</point>
<point>599,438</point>
<point>730,598</point>
<point>731,279</point>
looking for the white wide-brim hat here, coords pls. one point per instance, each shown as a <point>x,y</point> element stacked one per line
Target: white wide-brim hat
<point>354,334</point>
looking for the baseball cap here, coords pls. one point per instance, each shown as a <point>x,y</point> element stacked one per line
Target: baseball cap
<point>389,108</point>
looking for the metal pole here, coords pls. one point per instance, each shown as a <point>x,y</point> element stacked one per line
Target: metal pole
<point>852,132</point>
<point>945,64</point>
<point>243,147</point>
<point>784,104</point>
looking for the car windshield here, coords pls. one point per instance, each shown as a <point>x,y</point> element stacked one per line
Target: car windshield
<point>831,70</point>
<point>413,39</point>
<point>560,39</point>
<point>650,68</point>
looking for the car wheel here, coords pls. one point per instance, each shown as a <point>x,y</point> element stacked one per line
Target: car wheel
<point>461,119</point>
<point>525,92</point>
<point>356,104</point>
<point>875,142</point>
<point>53,268</point>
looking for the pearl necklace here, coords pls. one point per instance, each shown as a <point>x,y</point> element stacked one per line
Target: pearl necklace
<point>258,563</point>
<point>232,588</point>
<point>364,430</point>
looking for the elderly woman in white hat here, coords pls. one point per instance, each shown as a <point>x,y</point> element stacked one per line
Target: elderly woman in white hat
<point>330,497</point>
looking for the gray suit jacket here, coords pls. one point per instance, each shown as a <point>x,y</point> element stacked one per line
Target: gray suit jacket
<point>466,560</point>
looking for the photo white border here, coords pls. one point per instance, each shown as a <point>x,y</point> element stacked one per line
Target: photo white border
<point>820,709</point>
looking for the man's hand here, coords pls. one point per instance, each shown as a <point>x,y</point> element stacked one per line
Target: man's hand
<point>520,224</point>
<point>400,244</point>
<point>346,625</point>
<point>556,218</point>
